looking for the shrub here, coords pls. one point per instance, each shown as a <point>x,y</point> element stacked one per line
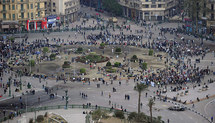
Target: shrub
<point>40,118</point>
<point>82,70</point>
<point>132,115</point>
<point>118,50</point>
<point>102,45</point>
<point>52,56</point>
<point>46,114</point>
<point>119,114</point>
<point>117,64</point>
<point>80,50</point>
<point>134,57</point>
<point>151,52</point>
<point>45,49</point>
<point>108,64</point>
<point>110,70</point>
<point>32,63</point>
<point>144,66</point>
<point>66,64</point>
<point>96,115</point>
<point>31,120</point>
<point>11,38</point>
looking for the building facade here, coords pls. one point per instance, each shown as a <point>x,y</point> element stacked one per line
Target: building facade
<point>149,9</point>
<point>67,10</point>
<point>22,10</point>
<point>209,16</point>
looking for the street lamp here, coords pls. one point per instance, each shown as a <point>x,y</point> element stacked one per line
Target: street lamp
<point>20,75</point>
<point>35,113</point>
<point>66,92</point>
<point>10,86</point>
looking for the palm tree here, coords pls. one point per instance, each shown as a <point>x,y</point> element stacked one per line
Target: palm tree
<point>140,88</point>
<point>150,104</point>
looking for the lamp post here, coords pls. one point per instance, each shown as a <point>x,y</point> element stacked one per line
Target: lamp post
<point>20,75</point>
<point>35,113</point>
<point>66,92</point>
<point>10,86</point>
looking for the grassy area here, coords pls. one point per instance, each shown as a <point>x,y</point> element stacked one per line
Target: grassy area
<point>113,120</point>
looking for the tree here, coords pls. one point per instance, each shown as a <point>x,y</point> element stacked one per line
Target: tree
<point>40,118</point>
<point>45,50</point>
<point>119,114</point>
<point>140,88</point>
<point>194,8</point>
<point>32,63</point>
<point>80,50</point>
<point>117,64</point>
<point>134,57</point>
<point>118,50</point>
<point>82,70</point>
<point>150,104</point>
<point>112,6</point>
<point>144,66</point>
<point>52,56</point>
<point>151,52</point>
<point>102,45</point>
<point>66,64</point>
<point>108,64</point>
<point>97,114</point>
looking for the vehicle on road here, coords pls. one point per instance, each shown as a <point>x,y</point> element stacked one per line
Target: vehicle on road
<point>176,108</point>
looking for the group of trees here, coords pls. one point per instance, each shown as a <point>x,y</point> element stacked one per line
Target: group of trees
<point>195,9</point>
<point>139,116</point>
<point>112,6</point>
<point>136,117</point>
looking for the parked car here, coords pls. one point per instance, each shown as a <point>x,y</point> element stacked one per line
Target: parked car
<point>176,108</point>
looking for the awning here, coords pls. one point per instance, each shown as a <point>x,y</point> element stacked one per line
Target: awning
<point>51,22</point>
<point>5,26</point>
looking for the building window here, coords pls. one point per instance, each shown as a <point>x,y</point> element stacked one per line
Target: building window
<point>212,6</point>
<point>21,0</point>
<point>204,14</point>
<point>27,6</point>
<point>32,15</point>
<point>13,7</point>
<point>32,6</point>
<point>38,14</point>
<point>147,6</point>
<point>212,16</point>
<point>153,6</point>
<point>9,7</point>
<point>54,10</point>
<point>4,15</point>
<point>38,5</point>
<point>53,4</point>
<point>28,15</point>
<point>159,5</point>
<point>22,8</point>
<point>4,7</point>
<point>22,15</point>
<point>13,16</point>
<point>12,1</point>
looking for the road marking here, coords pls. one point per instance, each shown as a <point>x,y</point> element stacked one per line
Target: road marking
<point>207,105</point>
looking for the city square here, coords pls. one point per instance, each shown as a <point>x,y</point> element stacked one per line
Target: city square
<point>93,64</point>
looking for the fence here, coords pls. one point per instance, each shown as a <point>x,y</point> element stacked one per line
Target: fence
<point>59,107</point>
